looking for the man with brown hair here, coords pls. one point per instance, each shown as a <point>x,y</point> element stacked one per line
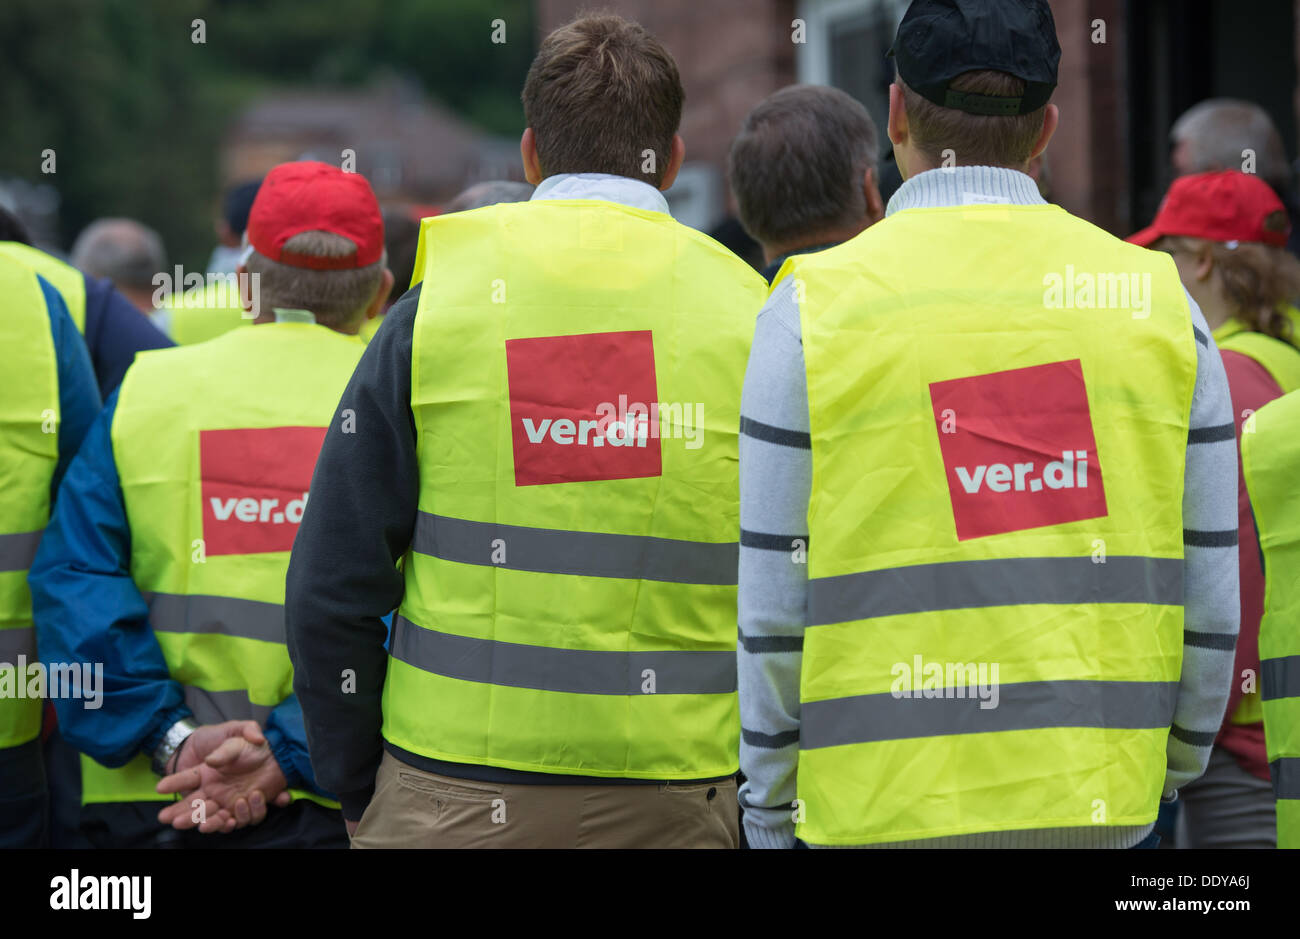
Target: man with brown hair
<point>803,171</point>
<point>988,585</point>
<point>603,95</point>
<point>946,136</point>
<point>545,439</point>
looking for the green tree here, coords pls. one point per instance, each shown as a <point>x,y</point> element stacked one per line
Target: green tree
<point>134,109</point>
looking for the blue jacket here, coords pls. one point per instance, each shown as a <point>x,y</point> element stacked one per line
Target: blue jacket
<point>115,332</point>
<point>88,609</point>
<point>78,393</point>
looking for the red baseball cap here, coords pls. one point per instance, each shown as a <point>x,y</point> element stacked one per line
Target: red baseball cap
<point>311,196</point>
<point>1225,205</point>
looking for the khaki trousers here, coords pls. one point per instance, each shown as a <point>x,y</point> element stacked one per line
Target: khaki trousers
<point>413,808</point>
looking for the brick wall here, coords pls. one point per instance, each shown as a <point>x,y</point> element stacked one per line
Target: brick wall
<point>732,53</point>
<point>1089,156</point>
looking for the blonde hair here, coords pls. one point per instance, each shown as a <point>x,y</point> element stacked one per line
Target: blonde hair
<point>1259,280</point>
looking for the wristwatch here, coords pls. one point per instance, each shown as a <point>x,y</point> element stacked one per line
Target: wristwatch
<point>171,742</point>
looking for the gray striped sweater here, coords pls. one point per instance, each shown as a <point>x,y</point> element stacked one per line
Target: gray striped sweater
<point>775,473</point>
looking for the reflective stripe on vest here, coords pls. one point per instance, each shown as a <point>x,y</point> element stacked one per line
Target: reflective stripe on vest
<point>18,550</point>
<point>1029,705</point>
<point>16,642</point>
<point>1270,462</point>
<point>570,602</point>
<point>218,616</point>
<point>29,407</point>
<point>215,446</point>
<point>995,529</point>
<point>993,582</point>
<point>583,553</point>
<point>569,671</point>
<point>65,278</point>
<point>1285,772</point>
<point>1280,677</point>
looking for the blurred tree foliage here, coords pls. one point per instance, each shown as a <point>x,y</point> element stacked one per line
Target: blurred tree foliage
<point>135,110</point>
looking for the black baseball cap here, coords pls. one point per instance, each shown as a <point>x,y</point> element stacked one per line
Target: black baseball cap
<point>938,40</point>
<point>238,203</point>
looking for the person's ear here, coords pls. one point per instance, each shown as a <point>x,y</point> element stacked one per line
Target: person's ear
<point>1051,118</point>
<point>897,127</point>
<point>675,158</point>
<point>528,152</point>
<point>245,289</point>
<point>875,203</point>
<point>1204,263</point>
<point>381,295</point>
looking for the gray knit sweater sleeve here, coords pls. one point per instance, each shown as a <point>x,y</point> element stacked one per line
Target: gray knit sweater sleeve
<point>1211,606</point>
<point>775,475</point>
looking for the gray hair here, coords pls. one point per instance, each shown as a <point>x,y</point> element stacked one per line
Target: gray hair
<point>1217,131</point>
<point>488,193</point>
<point>337,298</point>
<point>121,249</point>
<point>796,166</point>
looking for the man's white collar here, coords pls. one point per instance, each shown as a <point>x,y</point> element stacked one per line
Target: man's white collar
<point>965,185</point>
<point>604,186</point>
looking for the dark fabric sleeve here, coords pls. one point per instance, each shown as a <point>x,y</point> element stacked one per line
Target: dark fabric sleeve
<point>78,395</point>
<point>343,575</point>
<point>288,742</point>
<point>115,332</point>
<point>88,609</point>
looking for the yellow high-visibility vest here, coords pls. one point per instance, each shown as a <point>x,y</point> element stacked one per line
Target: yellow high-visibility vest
<point>998,399</point>
<point>65,278</point>
<point>369,327</point>
<point>215,448</point>
<point>29,452</point>
<point>570,600</point>
<point>1270,460</point>
<point>1281,359</point>
<point>203,313</point>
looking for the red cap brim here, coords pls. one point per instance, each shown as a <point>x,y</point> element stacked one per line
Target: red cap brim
<point>1146,237</point>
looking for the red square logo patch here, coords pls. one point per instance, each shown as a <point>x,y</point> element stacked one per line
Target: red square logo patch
<point>1018,449</point>
<point>254,486</point>
<point>580,407</point>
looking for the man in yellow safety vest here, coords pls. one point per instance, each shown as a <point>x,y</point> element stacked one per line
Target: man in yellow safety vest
<point>545,439</point>
<point>1270,457</point>
<point>165,561</point>
<point>47,403</point>
<point>988,583</point>
<point>113,329</point>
